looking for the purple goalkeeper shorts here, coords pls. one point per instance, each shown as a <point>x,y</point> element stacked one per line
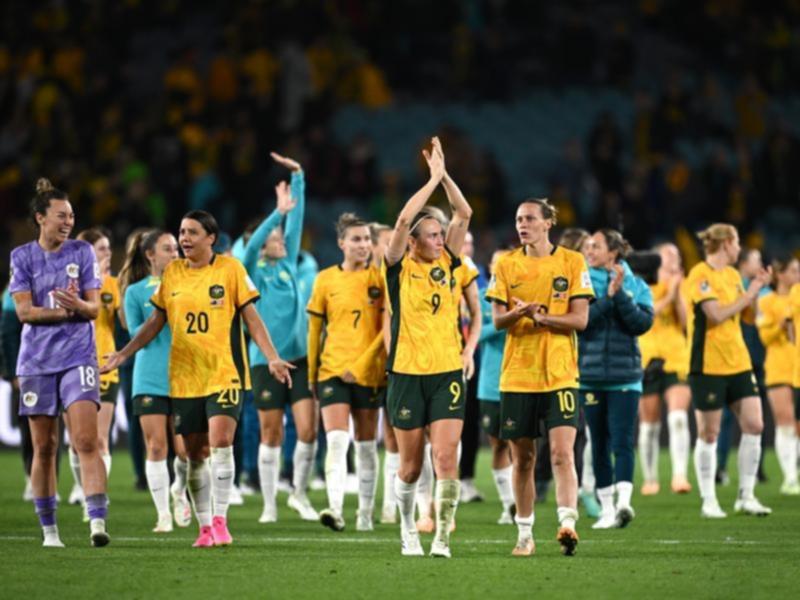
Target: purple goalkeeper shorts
<point>47,394</point>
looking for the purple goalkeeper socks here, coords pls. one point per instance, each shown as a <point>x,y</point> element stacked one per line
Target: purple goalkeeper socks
<point>97,506</point>
<point>46,509</point>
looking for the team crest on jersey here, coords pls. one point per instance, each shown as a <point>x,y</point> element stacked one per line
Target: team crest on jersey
<point>107,298</point>
<point>591,400</point>
<point>404,414</point>
<point>147,400</point>
<point>437,274</point>
<point>73,270</point>
<point>509,424</point>
<point>266,395</point>
<point>704,286</point>
<point>712,397</point>
<point>560,284</point>
<point>374,292</point>
<point>327,391</point>
<point>30,399</point>
<point>217,293</point>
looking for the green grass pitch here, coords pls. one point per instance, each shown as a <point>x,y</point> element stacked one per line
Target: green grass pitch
<point>668,551</point>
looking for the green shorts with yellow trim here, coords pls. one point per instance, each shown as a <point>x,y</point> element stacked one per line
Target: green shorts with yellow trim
<point>714,392</point>
<point>269,393</point>
<point>144,404</point>
<point>192,414</point>
<point>336,391</point>
<point>530,415</point>
<point>490,417</point>
<point>414,401</point>
<point>109,391</point>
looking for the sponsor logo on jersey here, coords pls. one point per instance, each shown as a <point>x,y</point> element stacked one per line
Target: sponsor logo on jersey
<point>74,271</point>
<point>437,274</point>
<point>107,298</point>
<point>373,292</point>
<point>586,279</point>
<point>404,414</point>
<point>30,399</point>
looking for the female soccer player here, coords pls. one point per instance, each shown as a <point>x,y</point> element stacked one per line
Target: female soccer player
<point>492,342</point>
<point>666,364</point>
<point>148,255</point>
<point>55,283</point>
<point>381,234</point>
<point>774,328</point>
<point>541,297</point>
<point>270,257</point>
<point>104,335</point>
<point>346,307</point>
<point>720,370</point>
<point>611,371</point>
<point>204,298</point>
<point>426,381</point>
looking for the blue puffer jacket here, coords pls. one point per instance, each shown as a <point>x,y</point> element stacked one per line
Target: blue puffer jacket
<point>608,349</point>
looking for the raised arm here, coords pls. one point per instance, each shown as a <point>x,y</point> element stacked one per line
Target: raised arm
<point>252,250</point>
<point>402,228</point>
<point>461,210</point>
<point>294,222</point>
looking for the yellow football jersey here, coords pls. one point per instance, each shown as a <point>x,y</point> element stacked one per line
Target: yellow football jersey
<point>208,353</point>
<point>773,311</point>
<point>537,358</point>
<point>665,339</point>
<point>794,304</point>
<point>350,302</point>
<point>104,324</point>
<point>465,273</point>
<point>423,303</point>
<point>714,349</point>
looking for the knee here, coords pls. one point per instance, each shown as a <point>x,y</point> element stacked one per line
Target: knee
<point>85,443</point>
<point>272,436</point>
<point>306,435</point>
<point>524,461</point>
<point>561,457</point>
<point>47,449</point>
<point>445,459</point>
<point>708,435</point>
<point>156,448</point>
<point>753,426</point>
<point>409,472</point>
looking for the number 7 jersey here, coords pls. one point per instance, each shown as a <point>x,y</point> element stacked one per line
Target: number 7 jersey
<point>203,308</point>
<point>423,302</point>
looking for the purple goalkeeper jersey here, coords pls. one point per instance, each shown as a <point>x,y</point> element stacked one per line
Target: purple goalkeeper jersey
<point>53,347</point>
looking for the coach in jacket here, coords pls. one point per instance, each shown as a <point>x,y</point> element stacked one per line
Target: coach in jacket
<point>611,371</point>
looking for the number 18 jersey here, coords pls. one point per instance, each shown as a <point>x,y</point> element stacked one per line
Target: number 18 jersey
<point>423,301</point>
<point>208,353</point>
<point>536,358</point>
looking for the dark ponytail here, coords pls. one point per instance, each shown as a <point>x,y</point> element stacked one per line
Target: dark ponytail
<point>207,220</point>
<point>616,243</point>
<point>45,192</point>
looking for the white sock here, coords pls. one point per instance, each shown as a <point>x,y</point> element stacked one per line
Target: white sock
<point>567,516</point>
<point>367,471</point>
<point>336,468</point>
<point>624,493</point>
<point>181,468</point>
<point>448,493</point>
<point>269,465</point>
<point>405,494</point>
<point>786,449</point>
<point>679,441</point>
<point>223,468</point>
<point>199,485</point>
<point>458,454</point>
<point>606,497</point>
<point>75,466</point>
<point>524,527</point>
<point>107,463</point>
<point>425,484</point>
<point>502,481</point>
<point>158,481</point>
<point>705,466</point>
<point>588,481</point>
<point>391,462</point>
<point>648,450</point>
<point>749,455</point>
<point>303,460</point>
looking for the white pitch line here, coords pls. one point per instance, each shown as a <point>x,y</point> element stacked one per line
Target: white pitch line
<point>370,540</point>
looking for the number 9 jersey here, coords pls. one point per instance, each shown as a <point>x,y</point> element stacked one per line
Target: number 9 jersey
<point>423,302</point>
<point>203,308</point>
<point>536,358</point>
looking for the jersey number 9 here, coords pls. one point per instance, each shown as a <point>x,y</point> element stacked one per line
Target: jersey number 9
<point>436,302</point>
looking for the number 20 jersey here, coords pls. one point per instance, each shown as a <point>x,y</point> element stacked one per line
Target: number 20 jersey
<point>536,358</point>
<point>203,307</point>
<point>423,302</point>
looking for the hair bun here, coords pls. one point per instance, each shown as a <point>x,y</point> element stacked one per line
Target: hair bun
<point>43,186</point>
